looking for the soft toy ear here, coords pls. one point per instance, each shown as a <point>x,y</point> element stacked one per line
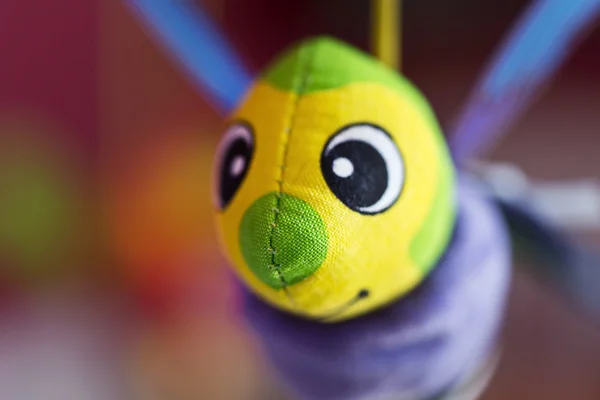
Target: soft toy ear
<point>538,46</point>
<point>189,35</point>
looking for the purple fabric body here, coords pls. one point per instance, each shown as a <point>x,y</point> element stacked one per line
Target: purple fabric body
<point>417,347</point>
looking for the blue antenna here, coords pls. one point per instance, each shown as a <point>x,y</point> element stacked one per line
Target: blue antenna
<point>532,55</point>
<point>187,32</point>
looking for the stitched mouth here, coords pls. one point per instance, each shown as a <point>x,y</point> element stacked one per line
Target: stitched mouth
<point>362,294</point>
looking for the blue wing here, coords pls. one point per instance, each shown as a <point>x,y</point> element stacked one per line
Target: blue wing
<point>539,235</point>
<point>187,33</point>
<point>564,265</point>
<point>531,55</point>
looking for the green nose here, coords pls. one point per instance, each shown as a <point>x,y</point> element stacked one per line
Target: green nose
<point>282,239</point>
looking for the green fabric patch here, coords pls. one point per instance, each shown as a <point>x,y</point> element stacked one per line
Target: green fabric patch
<point>283,239</point>
<point>329,64</point>
<point>431,241</point>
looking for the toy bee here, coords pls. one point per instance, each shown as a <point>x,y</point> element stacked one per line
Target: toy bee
<point>371,268</point>
<point>334,186</point>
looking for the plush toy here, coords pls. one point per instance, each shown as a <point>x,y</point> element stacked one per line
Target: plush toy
<point>371,269</point>
<point>334,185</point>
<point>337,197</point>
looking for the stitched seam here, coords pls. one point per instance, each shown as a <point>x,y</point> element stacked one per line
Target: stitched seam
<point>297,90</point>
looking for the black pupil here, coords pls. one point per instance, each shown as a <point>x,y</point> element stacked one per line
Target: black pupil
<point>356,173</point>
<point>234,167</point>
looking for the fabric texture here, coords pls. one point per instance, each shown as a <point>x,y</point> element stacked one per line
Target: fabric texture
<point>331,59</point>
<point>416,348</point>
<point>355,142</point>
<point>294,235</point>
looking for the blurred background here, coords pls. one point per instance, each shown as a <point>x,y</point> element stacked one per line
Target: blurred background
<point>111,285</point>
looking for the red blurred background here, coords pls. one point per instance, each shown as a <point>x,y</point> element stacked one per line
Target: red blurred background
<point>127,143</point>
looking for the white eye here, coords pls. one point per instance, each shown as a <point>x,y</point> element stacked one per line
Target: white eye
<point>237,166</point>
<point>234,155</point>
<point>343,167</point>
<point>363,168</point>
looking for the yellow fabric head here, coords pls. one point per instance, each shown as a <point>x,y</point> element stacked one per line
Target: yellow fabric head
<point>333,184</point>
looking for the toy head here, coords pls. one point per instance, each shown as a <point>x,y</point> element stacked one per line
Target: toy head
<point>333,184</point>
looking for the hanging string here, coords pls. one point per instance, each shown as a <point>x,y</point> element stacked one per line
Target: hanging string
<point>385,31</point>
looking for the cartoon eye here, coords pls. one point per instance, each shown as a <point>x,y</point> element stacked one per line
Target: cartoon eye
<point>234,156</point>
<point>363,168</point>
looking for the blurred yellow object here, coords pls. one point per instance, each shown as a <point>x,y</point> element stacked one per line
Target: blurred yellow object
<point>386,31</point>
